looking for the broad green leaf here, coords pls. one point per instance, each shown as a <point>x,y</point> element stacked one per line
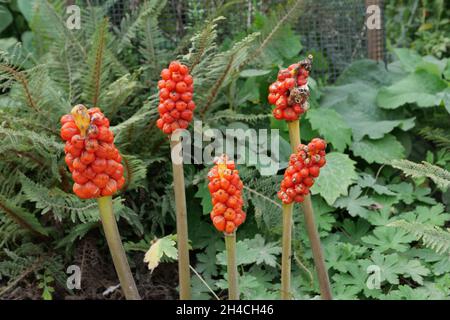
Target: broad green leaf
<point>355,204</point>
<point>367,71</point>
<point>382,150</point>
<point>335,177</point>
<point>421,88</point>
<point>5,18</point>
<point>447,70</point>
<point>386,238</point>
<point>408,58</point>
<point>356,103</point>
<point>331,126</point>
<point>26,7</point>
<point>253,73</point>
<point>163,246</point>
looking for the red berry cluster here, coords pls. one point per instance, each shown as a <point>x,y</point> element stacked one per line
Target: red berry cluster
<point>175,98</point>
<point>92,158</point>
<point>304,167</point>
<point>225,187</point>
<point>289,94</point>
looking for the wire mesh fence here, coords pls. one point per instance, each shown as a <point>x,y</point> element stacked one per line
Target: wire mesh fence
<point>335,32</point>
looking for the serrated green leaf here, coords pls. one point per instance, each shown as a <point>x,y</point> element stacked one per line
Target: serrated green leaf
<point>266,253</point>
<point>386,238</point>
<point>368,181</point>
<point>331,126</point>
<point>414,269</point>
<point>380,151</point>
<point>205,196</point>
<point>159,248</point>
<point>335,177</point>
<point>244,255</point>
<point>206,262</point>
<point>388,264</point>
<point>355,204</point>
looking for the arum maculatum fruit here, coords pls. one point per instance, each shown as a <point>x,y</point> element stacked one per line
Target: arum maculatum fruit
<point>289,94</point>
<point>226,187</point>
<point>92,158</point>
<point>175,98</point>
<point>304,166</point>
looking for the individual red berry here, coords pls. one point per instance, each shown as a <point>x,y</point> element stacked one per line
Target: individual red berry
<point>174,66</point>
<point>219,222</point>
<point>314,171</point>
<point>230,227</point>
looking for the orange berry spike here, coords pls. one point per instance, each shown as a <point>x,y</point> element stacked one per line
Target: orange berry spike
<point>225,188</point>
<point>176,107</point>
<point>92,157</point>
<point>289,94</point>
<point>304,167</point>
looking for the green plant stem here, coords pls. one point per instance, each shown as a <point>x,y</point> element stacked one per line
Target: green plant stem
<point>324,281</point>
<point>181,213</point>
<point>116,248</point>
<point>230,244</point>
<point>286,252</point>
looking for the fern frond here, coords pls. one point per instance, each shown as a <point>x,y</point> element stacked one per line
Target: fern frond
<point>117,93</point>
<point>22,217</point>
<point>8,74</point>
<point>230,115</point>
<point>439,175</point>
<point>136,172</point>
<point>432,237</point>
<point>223,67</point>
<point>96,65</point>
<point>60,204</point>
<point>436,135</point>
<point>203,44</point>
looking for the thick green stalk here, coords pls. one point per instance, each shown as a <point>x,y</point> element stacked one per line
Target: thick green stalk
<point>286,253</point>
<point>230,244</point>
<point>182,225</point>
<point>324,281</point>
<point>116,248</point>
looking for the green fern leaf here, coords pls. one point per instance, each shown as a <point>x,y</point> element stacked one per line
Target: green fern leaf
<point>418,170</point>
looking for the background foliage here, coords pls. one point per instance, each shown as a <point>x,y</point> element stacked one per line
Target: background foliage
<point>381,200</point>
